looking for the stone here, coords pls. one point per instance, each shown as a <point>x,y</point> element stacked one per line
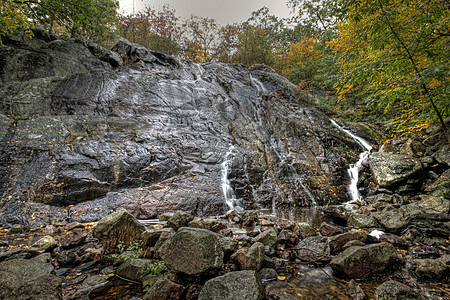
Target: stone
<point>434,205</point>
<point>312,249</point>
<point>268,274</point>
<point>150,237</point>
<point>381,197</point>
<point>193,251</point>
<point>164,289</point>
<point>242,285</point>
<point>361,221</point>
<point>179,219</point>
<point>287,238</point>
<point>413,148</point>
<point>363,262</point>
<point>229,245</point>
<point>355,291</point>
<point>119,227</point>
<point>327,229</point>
<point>396,290</point>
<point>133,269</point>
<point>305,230</point>
<point>443,154</point>
<point>73,238</point>
<point>255,257</point>
<point>393,220</point>
<point>240,258</point>
<point>28,279</point>
<point>267,237</point>
<point>337,242</point>
<point>389,169</point>
<point>429,269</point>
<point>45,244</point>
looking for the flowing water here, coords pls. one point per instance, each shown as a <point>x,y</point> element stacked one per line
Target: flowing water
<point>228,193</point>
<point>354,168</point>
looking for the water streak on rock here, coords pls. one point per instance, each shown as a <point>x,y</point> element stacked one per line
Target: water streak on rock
<point>354,168</point>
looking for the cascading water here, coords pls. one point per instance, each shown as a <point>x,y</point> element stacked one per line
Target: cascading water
<point>228,193</point>
<point>258,84</point>
<point>354,168</point>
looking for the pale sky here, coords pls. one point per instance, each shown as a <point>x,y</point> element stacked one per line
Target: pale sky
<point>223,11</point>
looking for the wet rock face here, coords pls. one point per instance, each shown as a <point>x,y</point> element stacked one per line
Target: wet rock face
<point>79,130</point>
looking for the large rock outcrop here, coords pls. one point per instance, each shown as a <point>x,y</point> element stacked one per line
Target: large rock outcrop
<point>83,132</point>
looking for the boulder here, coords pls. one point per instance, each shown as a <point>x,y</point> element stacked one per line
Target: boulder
<point>164,289</point>
<point>255,256</point>
<point>133,269</point>
<point>413,148</point>
<point>119,227</point>
<point>267,237</point>
<point>179,219</point>
<point>363,262</point>
<point>240,258</point>
<point>314,248</point>
<point>393,220</point>
<point>381,197</point>
<point>305,230</point>
<point>361,221</point>
<point>355,291</point>
<point>29,279</point>
<point>73,238</point>
<point>434,205</point>
<point>429,269</point>
<point>337,242</point>
<point>242,285</point>
<point>327,229</point>
<point>443,154</point>
<point>193,251</point>
<point>47,243</point>
<point>391,289</point>
<point>389,169</point>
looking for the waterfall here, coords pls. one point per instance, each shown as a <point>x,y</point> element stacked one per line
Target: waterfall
<point>228,193</point>
<point>354,168</point>
<point>258,84</point>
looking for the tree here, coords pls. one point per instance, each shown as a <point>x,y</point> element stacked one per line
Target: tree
<point>201,39</point>
<point>398,51</point>
<point>13,14</point>
<point>157,30</point>
<point>93,19</point>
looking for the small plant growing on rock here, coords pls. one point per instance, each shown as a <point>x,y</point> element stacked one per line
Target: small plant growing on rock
<point>154,271</point>
<point>135,247</point>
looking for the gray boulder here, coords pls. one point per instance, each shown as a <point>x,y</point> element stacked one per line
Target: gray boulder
<point>29,279</point>
<point>240,285</point>
<point>392,290</point>
<point>118,227</point>
<point>434,205</point>
<point>337,242</point>
<point>255,257</point>
<point>443,154</point>
<point>361,221</point>
<point>267,237</point>
<point>164,289</point>
<point>47,243</point>
<point>429,269</point>
<point>306,230</point>
<point>179,219</point>
<point>393,220</point>
<point>389,169</point>
<point>314,248</point>
<point>362,262</point>
<point>193,251</point>
<point>133,269</point>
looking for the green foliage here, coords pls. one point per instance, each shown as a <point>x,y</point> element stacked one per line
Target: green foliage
<point>134,247</point>
<point>13,15</point>
<point>396,54</point>
<point>92,19</point>
<point>155,271</point>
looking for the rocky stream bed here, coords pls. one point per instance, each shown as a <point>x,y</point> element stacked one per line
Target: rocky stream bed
<point>130,174</point>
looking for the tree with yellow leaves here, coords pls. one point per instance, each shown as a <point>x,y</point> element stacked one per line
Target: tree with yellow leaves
<point>398,50</point>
